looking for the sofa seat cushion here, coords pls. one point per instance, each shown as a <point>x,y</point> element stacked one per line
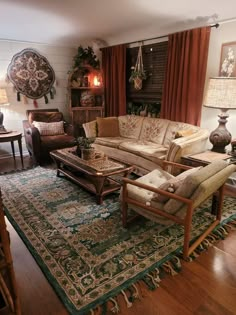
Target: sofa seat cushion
<point>154,129</point>
<point>154,179</point>
<point>146,149</point>
<point>57,142</point>
<point>112,142</point>
<point>130,126</point>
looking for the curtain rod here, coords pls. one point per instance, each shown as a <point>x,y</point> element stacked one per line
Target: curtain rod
<point>158,37</point>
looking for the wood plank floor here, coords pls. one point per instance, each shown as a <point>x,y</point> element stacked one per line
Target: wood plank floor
<point>206,286</point>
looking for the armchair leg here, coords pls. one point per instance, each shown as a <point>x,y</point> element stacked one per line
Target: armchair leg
<point>188,223</point>
<point>187,231</point>
<point>124,213</point>
<point>124,205</point>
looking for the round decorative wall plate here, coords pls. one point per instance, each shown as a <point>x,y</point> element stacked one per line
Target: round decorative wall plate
<point>31,74</point>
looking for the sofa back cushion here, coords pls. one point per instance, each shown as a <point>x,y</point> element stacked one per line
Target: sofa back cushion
<point>130,126</point>
<point>174,128</point>
<point>192,182</point>
<point>154,129</point>
<point>45,116</point>
<point>108,127</point>
<point>173,184</point>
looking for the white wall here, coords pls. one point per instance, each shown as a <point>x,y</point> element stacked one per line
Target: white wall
<point>224,34</point>
<point>61,60</point>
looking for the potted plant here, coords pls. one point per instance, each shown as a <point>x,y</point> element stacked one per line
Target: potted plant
<point>137,74</point>
<point>86,57</point>
<point>84,149</point>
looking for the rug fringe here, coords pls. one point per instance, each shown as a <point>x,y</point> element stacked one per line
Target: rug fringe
<point>172,267</point>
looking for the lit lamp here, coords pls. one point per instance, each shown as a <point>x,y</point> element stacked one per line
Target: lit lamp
<point>3,102</point>
<point>221,93</point>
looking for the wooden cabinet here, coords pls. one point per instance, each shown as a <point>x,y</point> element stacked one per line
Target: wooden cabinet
<point>86,97</point>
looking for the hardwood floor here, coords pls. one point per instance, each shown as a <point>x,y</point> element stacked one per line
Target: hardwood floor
<point>206,286</point>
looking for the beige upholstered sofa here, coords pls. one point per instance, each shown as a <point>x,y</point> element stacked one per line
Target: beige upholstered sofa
<point>145,142</point>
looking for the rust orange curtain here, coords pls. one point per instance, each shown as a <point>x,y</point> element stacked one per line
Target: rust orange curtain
<point>185,75</point>
<point>114,73</point>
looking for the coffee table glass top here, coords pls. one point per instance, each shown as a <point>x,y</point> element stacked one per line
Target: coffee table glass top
<point>102,164</point>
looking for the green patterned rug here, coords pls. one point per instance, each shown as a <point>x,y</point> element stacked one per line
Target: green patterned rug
<point>85,253</point>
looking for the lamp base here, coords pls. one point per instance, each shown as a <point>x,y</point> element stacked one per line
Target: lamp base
<point>220,137</point>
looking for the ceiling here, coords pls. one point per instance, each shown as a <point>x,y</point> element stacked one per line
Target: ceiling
<point>71,22</point>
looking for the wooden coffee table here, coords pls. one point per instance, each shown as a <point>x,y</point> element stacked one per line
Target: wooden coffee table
<point>94,177</point>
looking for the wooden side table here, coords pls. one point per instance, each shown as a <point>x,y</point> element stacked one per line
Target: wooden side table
<point>11,137</point>
<point>204,158</point>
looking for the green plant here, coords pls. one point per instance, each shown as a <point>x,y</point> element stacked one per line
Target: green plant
<point>137,74</point>
<point>84,142</point>
<point>86,55</point>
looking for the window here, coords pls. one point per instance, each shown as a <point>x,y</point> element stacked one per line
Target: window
<point>154,61</point>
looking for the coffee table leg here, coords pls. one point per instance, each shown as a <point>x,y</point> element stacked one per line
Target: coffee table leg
<point>98,184</point>
<point>58,163</point>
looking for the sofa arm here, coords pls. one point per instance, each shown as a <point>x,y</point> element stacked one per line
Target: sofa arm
<point>193,144</point>
<point>90,129</point>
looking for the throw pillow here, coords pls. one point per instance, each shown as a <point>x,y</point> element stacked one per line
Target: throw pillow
<point>49,129</point>
<point>172,184</point>
<point>108,127</point>
<point>183,133</point>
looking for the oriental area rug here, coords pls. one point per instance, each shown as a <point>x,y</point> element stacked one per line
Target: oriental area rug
<point>82,248</point>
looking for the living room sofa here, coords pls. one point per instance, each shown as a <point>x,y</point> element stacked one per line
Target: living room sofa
<point>145,142</point>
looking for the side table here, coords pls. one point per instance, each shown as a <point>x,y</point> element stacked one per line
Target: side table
<point>11,137</point>
<point>204,158</point>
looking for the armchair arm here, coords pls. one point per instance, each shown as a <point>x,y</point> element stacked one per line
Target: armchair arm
<point>32,139</point>
<point>129,200</point>
<point>69,128</point>
<point>155,190</point>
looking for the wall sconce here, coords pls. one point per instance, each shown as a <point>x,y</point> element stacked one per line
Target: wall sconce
<point>3,102</point>
<point>221,93</point>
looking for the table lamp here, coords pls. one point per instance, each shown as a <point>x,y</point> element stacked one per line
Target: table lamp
<point>3,102</point>
<point>221,93</point>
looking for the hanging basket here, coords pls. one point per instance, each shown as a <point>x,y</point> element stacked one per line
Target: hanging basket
<point>138,83</point>
<point>138,73</point>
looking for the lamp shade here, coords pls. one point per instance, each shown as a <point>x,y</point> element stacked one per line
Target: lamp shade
<point>221,93</point>
<point>3,97</point>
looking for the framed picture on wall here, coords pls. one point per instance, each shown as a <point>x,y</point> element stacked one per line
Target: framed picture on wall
<point>228,60</point>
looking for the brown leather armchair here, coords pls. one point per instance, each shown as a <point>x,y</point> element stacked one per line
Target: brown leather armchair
<point>39,145</point>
